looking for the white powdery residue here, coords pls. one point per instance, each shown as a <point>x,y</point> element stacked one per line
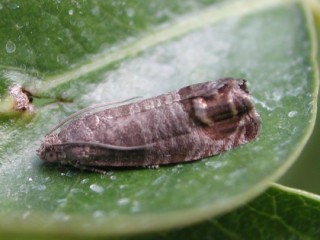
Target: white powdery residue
<point>159,180</point>
<point>235,176</point>
<point>276,95</point>
<point>215,164</point>
<point>262,104</point>
<point>62,59</point>
<point>257,148</point>
<point>96,188</point>
<point>180,166</point>
<point>168,66</point>
<point>21,78</point>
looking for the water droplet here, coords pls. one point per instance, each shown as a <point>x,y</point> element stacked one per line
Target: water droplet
<point>10,47</point>
<point>113,178</point>
<point>70,12</point>
<point>19,25</point>
<point>84,181</point>
<point>30,179</point>
<point>123,201</point>
<point>96,188</point>
<point>130,12</point>
<point>292,114</point>
<point>109,173</point>
<point>70,174</point>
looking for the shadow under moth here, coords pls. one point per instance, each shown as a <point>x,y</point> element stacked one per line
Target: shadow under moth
<point>191,123</point>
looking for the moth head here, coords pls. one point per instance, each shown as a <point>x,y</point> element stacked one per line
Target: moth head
<point>49,151</point>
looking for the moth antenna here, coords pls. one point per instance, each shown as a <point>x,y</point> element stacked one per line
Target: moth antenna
<point>104,145</point>
<point>99,105</point>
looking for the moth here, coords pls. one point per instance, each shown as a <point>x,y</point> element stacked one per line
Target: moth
<point>191,123</point>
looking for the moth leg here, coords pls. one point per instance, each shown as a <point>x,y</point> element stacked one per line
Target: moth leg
<point>93,169</point>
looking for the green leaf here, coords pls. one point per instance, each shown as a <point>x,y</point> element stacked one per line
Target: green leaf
<point>92,52</point>
<point>279,213</point>
<point>308,163</point>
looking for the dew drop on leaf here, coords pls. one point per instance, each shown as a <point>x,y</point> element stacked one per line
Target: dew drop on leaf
<point>10,47</point>
<point>70,12</point>
<point>19,25</point>
<point>84,181</point>
<point>96,188</point>
<point>292,114</point>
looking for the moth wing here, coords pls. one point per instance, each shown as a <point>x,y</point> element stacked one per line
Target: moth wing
<point>85,110</point>
<point>104,146</point>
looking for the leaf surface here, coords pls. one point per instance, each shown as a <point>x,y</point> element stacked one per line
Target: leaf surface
<point>94,52</point>
<point>279,213</point>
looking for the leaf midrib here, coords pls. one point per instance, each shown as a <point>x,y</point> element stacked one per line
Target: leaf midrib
<point>155,37</point>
